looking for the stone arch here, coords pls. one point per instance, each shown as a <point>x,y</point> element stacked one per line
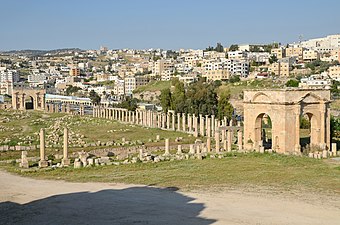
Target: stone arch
<point>261,97</point>
<point>37,97</point>
<point>284,107</point>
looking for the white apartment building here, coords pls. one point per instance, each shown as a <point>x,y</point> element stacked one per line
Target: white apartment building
<point>9,75</point>
<point>316,81</point>
<point>322,45</point>
<point>237,67</point>
<point>37,78</point>
<point>133,82</point>
<point>237,55</point>
<point>259,57</point>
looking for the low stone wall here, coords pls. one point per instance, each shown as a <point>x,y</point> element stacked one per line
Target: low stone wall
<point>17,148</point>
<point>124,152</point>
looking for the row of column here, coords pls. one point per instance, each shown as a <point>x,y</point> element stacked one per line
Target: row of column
<point>189,123</point>
<point>64,108</point>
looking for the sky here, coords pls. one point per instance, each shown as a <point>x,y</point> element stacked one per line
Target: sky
<point>166,24</point>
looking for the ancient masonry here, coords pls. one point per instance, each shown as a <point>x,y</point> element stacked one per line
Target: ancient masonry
<point>204,126</point>
<point>23,96</point>
<point>285,107</point>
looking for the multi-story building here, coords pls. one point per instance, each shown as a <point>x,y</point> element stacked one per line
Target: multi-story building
<point>133,82</point>
<point>75,71</point>
<point>294,52</point>
<point>237,55</point>
<point>280,69</point>
<point>334,72</point>
<point>278,52</point>
<point>259,57</point>
<point>9,75</point>
<point>237,67</point>
<point>322,45</point>
<point>213,75</point>
<point>310,55</point>
<point>37,78</point>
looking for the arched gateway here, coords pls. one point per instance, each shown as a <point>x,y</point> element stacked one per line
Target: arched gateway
<point>27,98</point>
<point>284,107</point>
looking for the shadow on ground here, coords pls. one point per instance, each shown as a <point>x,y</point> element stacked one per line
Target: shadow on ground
<point>137,205</point>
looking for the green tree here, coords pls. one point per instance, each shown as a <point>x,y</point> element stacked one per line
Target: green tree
<point>165,99</point>
<point>219,48</point>
<point>70,90</point>
<point>224,108</point>
<point>234,79</point>
<point>233,48</point>
<point>335,127</point>
<point>95,98</point>
<point>292,83</point>
<point>273,59</point>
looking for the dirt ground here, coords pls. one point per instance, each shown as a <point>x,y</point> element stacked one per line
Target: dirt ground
<point>29,201</point>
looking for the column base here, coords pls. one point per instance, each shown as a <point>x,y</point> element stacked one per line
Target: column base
<point>65,162</point>
<point>43,163</point>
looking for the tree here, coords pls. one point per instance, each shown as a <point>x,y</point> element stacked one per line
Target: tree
<point>292,83</point>
<point>272,59</point>
<point>233,48</point>
<point>234,79</point>
<point>70,90</point>
<point>224,108</point>
<point>219,48</point>
<point>165,99</point>
<point>95,98</point>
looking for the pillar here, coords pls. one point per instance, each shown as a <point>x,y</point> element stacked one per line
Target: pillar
<point>195,121</point>
<point>229,140</point>
<point>42,162</point>
<point>209,144</point>
<point>239,140</point>
<point>167,146</point>
<point>173,121</point>
<point>189,123</point>
<point>212,120</point>
<point>183,122</point>
<point>168,120</point>
<point>65,160</point>
<point>178,121</point>
<point>201,125</point>
<point>217,141</point>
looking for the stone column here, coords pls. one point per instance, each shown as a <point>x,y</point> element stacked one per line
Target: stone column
<point>201,125</point>
<point>297,132</point>
<point>173,121</point>
<point>155,119</point>
<point>209,144</point>
<point>65,160</point>
<point>229,139</point>
<point>178,121</point>
<point>24,162</point>
<point>208,127</point>
<point>183,122</point>
<point>168,120</point>
<point>189,123</point>
<point>179,149</point>
<point>239,140</point>
<point>212,120</point>
<point>195,125</point>
<point>42,162</point>
<point>217,141</point>
<point>322,126</point>
<point>167,146</point>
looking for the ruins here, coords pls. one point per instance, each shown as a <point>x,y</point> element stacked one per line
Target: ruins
<point>285,107</point>
<point>28,98</point>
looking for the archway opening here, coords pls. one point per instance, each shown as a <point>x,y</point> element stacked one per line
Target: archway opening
<point>309,132</point>
<point>29,103</point>
<point>263,131</point>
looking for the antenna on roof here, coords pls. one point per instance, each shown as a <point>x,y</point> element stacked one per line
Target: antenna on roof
<point>300,38</point>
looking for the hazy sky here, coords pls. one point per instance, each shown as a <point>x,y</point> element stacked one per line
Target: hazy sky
<point>171,24</point>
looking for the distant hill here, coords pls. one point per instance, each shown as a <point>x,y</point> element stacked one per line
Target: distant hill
<point>30,52</point>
